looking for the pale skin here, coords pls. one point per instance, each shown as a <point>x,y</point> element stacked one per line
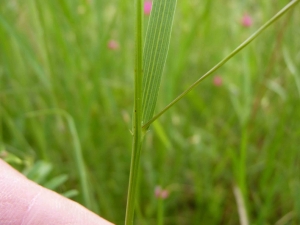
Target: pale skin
<point>23,202</point>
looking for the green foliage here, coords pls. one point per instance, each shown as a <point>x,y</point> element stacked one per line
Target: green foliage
<point>54,55</point>
<point>39,172</point>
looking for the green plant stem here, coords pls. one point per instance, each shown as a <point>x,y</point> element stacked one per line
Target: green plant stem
<point>137,116</point>
<point>222,62</point>
<point>241,168</point>
<point>160,212</point>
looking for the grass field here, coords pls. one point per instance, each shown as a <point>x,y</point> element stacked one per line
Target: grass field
<point>66,98</point>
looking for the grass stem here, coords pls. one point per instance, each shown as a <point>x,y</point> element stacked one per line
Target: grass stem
<point>137,116</point>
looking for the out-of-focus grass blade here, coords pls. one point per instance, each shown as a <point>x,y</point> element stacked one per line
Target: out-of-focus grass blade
<point>155,52</point>
<point>292,68</point>
<point>10,30</point>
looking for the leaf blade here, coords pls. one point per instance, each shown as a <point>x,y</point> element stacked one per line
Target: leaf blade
<point>155,52</point>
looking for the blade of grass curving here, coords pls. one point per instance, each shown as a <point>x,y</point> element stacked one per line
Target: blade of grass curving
<point>222,62</point>
<point>84,183</point>
<point>155,52</point>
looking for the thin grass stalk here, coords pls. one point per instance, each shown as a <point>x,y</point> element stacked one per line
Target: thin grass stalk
<point>241,168</point>
<point>40,27</point>
<point>240,205</point>
<point>160,212</point>
<point>137,115</point>
<point>223,61</point>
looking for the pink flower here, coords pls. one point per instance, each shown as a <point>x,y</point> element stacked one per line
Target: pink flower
<point>161,193</point>
<point>218,81</point>
<point>147,7</point>
<point>113,45</point>
<point>246,20</point>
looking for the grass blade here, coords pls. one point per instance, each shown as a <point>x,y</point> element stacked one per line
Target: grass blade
<point>155,52</point>
<point>82,172</point>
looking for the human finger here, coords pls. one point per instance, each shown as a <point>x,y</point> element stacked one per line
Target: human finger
<point>25,202</point>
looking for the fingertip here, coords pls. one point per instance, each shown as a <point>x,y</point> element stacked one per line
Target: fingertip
<point>24,202</point>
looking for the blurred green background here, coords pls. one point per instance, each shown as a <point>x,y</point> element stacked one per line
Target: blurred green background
<point>71,62</point>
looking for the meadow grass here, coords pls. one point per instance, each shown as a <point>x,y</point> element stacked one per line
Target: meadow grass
<point>54,56</point>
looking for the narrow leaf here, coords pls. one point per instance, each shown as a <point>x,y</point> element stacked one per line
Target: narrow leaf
<point>155,52</point>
